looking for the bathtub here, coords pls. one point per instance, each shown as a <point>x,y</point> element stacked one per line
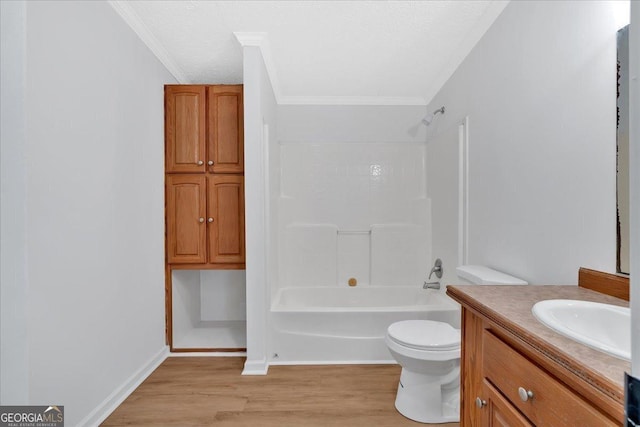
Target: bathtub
<point>348,325</point>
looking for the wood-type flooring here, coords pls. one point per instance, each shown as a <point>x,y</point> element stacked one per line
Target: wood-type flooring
<point>207,391</point>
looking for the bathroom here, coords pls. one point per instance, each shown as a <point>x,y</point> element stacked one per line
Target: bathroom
<point>519,168</point>
<point>335,178</point>
<point>493,187</point>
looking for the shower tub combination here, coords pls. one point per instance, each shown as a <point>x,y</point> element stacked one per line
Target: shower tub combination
<point>348,324</point>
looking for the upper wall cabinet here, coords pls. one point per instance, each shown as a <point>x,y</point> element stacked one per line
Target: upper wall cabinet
<point>204,128</point>
<point>226,129</point>
<point>185,128</point>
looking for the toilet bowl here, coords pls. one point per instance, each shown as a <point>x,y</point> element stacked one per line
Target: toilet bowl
<point>429,353</point>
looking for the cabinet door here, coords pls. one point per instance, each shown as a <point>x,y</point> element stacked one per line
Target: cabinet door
<point>471,368</point>
<point>498,412</point>
<point>226,218</point>
<point>225,147</point>
<point>185,128</point>
<point>186,225</point>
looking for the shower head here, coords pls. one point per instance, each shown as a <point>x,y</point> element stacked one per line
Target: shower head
<point>429,117</point>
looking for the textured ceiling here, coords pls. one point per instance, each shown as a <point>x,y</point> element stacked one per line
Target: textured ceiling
<point>348,49</point>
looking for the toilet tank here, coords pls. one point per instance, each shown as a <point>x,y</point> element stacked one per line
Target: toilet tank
<point>481,275</point>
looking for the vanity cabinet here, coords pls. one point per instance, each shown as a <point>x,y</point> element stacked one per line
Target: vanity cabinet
<point>502,387</point>
<point>510,377</point>
<point>204,129</point>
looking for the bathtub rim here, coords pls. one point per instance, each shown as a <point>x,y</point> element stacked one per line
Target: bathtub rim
<point>441,302</point>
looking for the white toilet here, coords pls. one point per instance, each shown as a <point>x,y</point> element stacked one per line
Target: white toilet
<point>429,353</point>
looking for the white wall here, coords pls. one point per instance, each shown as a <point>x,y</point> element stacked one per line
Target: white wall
<point>14,369</point>
<point>94,108</point>
<point>222,295</point>
<point>185,301</point>
<point>634,166</point>
<point>540,91</point>
<point>259,109</point>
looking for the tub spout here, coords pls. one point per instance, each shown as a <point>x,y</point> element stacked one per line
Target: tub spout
<point>431,285</point>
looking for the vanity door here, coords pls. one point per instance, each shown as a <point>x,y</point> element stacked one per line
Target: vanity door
<point>498,412</point>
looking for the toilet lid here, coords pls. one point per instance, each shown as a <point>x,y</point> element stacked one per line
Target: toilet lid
<point>425,334</point>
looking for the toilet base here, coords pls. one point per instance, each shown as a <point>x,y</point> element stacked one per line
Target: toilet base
<point>429,399</point>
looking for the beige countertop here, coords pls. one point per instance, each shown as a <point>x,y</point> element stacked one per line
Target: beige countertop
<point>510,308</point>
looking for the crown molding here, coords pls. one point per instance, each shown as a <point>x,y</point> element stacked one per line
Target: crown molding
<point>261,41</point>
<point>250,38</point>
<point>133,20</point>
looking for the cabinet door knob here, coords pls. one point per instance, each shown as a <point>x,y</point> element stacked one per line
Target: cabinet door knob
<point>210,219</point>
<point>200,163</point>
<point>480,403</point>
<point>525,394</point>
<point>210,162</point>
<point>201,220</point>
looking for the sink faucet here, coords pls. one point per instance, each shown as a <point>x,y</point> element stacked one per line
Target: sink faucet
<point>431,285</point>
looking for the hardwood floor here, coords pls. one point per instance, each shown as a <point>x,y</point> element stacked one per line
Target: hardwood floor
<point>199,391</point>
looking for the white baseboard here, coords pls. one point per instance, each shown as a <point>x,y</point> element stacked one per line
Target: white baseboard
<point>255,367</point>
<point>104,409</point>
<point>208,354</point>
<point>332,362</point>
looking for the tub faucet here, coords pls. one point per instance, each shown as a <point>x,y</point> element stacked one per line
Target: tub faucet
<point>437,268</point>
<point>431,285</point>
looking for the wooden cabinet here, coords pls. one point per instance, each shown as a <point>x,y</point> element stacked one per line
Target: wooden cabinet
<point>204,147</point>
<point>225,152</point>
<point>204,210</point>
<point>205,219</point>
<point>498,412</point>
<point>225,207</point>
<point>185,128</point>
<point>204,129</point>
<point>502,386</point>
<point>532,391</point>
<point>186,210</point>
<point>471,366</point>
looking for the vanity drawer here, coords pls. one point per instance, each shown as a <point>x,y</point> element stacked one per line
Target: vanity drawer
<point>552,404</point>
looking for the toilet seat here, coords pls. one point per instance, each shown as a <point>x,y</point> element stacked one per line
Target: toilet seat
<point>425,335</point>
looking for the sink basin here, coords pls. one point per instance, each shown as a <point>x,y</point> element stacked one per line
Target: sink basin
<point>604,327</point>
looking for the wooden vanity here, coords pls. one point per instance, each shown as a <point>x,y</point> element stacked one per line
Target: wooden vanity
<point>517,372</point>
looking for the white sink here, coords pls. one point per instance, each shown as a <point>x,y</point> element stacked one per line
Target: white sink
<point>604,327</point>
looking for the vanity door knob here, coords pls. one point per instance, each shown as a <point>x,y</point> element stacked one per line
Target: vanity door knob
<point>210,219</point>
<point>200,163</point>
<point>201,220</point>
<point>210,162</point>
<point>480,403</point>
<point>525,394</point>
